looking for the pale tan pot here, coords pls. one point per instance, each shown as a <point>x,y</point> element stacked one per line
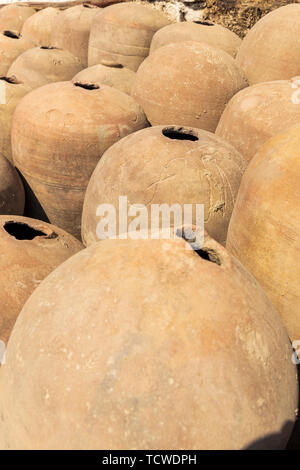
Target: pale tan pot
<point>59,133</point>
<point>11,46</point>
<point>166,165</point>
<point>265,226</point>
<point>71,30</point>
<point>111,74</point>
<point>14,16</point>
<point>42,65</point>
<point>258,113</point>
<point>134,344</point>
<point>11,92</point>
<point>271,49</point>
<point>122,33</point>
<point>38,27</point>
<point>201,31</point>
<point>30,250</point>
<point>188,85</point>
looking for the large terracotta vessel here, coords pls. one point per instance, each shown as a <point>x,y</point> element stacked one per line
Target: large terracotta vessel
<point>30,250</point>
<point>12,196</point>
<point>122,33</point>
<point>11,92</point>
<point>134,344</point>
<point>264,232</point>
<point>11,46</point>
<point>252,116</point>
<point>167,165</point>
<point>201,31</point>
<point>188,85</point>
<point>14,16</point>
<point>38,27</point>
<point>41,65</point>
<point>111,74</point>
<point>59,133</point>
<point>271,49</point>
<point>71,30</point>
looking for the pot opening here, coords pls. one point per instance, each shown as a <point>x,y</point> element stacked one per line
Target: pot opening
<point>87,86</point>
<point>204,23</point>
<point>22,231</point>
<point>115,66</point>
<point>205,253</point>
<point>11,34</point>
<point>86,5</point>
<point>13,80</point>
<point>179,133</point>
<point>49,48</point>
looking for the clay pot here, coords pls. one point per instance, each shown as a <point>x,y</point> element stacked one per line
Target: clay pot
<point>11,92</point>
<point>265,225</point>
<point>60,132</point>
<point>114,75</point>
<point>201,31</point>
<point>41,65</point>
<point>265,54</point>
<point>146,341</point>
<point>71,30</point>
<point>174,166</point>
<point>14,16</point>
<point>122,33</point>
<point>188,86</point>
<point>251,116</point>
<point>12,196</point>
<point>38,27</point>
<point>30,250</point>
<point>11,46</point>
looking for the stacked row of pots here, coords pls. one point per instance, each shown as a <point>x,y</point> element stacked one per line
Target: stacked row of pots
<point>143,343</point>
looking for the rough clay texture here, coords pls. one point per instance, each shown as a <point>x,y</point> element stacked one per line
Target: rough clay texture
<point>151,168</point>
<point>12,196</point>
<point>188,85</point>
<point>39,66</point>
<point>266,55</point>
<point>11,92</point>
<point>264,229</point>
<point>11,46</point>
<point>13,17</point>
<point>207,32</point>
<point>112,75</point>
<point>59,133</point>
<point>122,33</point>
<point>258,113</point>
<point>136,344</point>
<point>38,27</point>
<point>25,263</point>
<point>71,30</point>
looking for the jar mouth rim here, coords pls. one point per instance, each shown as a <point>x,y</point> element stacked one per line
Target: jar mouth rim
<point>11,34</point>
<point>12,80</point>
<point>23,230</point>
<point>87,85</point>
<point>180,133</point>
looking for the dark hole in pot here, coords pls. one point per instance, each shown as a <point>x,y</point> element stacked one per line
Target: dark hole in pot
<point>22,231</point>
<point>115,66</point>
<point>208,255</point>
<point>204,23</point>
<point>13,80</point>
<point>87,86</point>
<point>179,134</point>
<point>49,48</point>
<point>11,34</point>
<point>205,253</point>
